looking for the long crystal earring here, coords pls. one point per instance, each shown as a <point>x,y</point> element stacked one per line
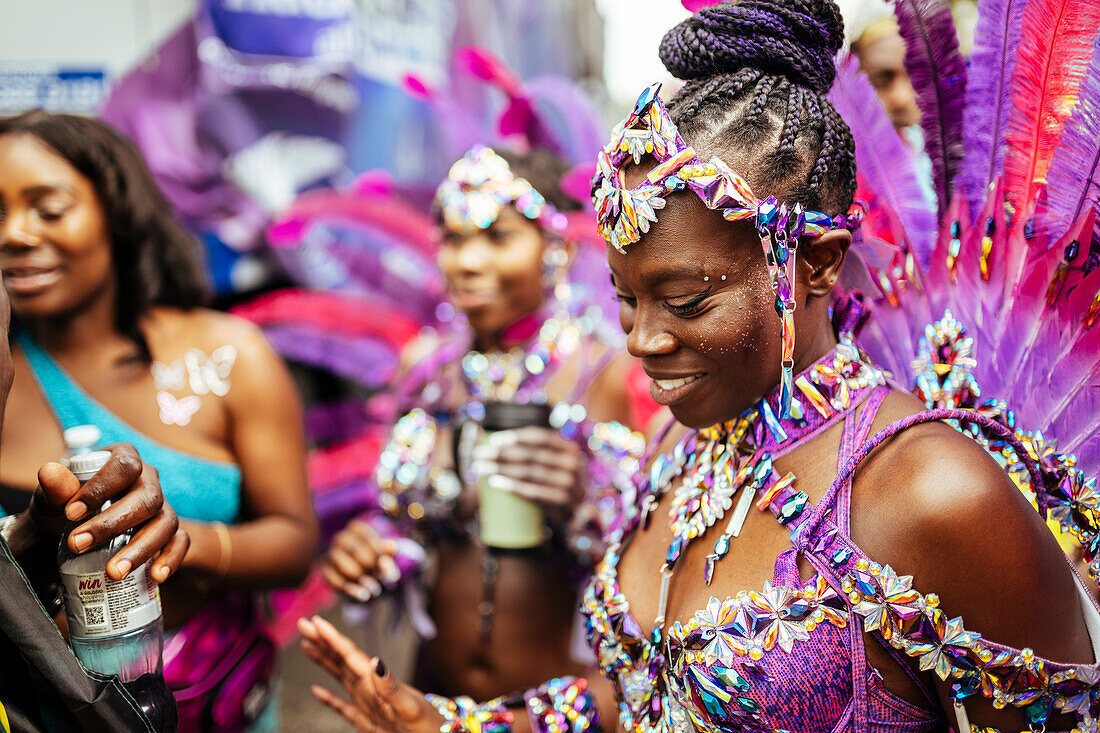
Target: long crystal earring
<point>779,229</point>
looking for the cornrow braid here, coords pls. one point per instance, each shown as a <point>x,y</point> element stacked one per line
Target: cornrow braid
<point>837,160</point>
<point>699,90</point>
<point>700,93</point>
<point>821,165</point>
<point>760,98</point>
<point>796,101</point>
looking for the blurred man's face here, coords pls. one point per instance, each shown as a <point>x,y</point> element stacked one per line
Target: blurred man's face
<point>883,60</point>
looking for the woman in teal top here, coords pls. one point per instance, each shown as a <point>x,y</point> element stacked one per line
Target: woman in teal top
<point>105,290</point>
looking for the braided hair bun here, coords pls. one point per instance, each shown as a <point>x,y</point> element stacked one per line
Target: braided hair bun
<point>795,39</point>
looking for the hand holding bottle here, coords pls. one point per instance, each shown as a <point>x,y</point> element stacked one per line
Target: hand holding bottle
<point>114,618</point>
<point>536,464</point>
<point>137,504</point>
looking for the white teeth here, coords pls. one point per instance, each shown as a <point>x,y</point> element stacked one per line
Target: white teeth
<point>668,385</point>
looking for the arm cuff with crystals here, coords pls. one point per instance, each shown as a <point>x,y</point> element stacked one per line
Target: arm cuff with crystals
<point>562,705</point>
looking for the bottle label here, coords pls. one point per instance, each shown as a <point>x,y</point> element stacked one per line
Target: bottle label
<point>98,606</point>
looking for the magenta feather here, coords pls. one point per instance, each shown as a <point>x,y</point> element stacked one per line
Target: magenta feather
<point>1056,45</point>
<point>485,65</point>
<point>938,72</point>
<point>883,159</point>
<point>988,99</point>
<point>577,183</point>
<point>694,6</point>
<point>1072,181</point>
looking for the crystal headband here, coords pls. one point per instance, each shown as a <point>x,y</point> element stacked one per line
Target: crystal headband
<point>480,185</point>
<point>623,215</point>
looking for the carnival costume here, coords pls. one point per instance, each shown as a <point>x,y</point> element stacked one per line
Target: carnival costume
<point>991,319</point>
<point>363,260</point>
<point>414,490</point>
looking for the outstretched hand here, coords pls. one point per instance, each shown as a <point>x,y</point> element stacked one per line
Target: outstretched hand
<point>379,702</point>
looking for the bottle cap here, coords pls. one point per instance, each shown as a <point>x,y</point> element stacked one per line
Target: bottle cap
<point>82,438</point>
<point>85,465</point>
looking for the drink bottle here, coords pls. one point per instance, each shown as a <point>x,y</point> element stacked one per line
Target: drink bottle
<point>80,439</point>
<point>115,626</point>
<point>507,521</point>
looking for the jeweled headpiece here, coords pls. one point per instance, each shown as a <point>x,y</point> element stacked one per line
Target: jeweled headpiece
<point>480,185</point>
<point>624,214</point>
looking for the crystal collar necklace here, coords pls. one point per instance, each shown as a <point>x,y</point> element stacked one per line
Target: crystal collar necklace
<point>730,465</point>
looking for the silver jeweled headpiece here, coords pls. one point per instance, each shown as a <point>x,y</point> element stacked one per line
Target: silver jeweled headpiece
<point>480,185</point>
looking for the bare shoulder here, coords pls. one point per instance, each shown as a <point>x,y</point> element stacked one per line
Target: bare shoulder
<point>934,504</point>
<point>204,329</point>
<point>237,344</point>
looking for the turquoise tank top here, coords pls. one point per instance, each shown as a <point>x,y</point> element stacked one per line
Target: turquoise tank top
<point>198,488</point>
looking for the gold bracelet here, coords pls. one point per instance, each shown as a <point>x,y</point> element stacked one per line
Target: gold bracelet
<point>225,554</point>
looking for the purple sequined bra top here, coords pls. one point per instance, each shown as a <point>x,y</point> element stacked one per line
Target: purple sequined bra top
<point>790,657</point>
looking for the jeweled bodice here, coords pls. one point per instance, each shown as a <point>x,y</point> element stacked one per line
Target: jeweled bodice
<point>789,656</point>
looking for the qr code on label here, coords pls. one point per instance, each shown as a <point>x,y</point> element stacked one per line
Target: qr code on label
<point>94,616</point>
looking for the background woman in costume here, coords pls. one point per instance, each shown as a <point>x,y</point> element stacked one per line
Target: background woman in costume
<point>502,614</point>
<point>105,288</point>
<point>818,624</point>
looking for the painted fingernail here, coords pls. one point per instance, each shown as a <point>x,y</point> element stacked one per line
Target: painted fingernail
<point>76,510</point>
<point>501,483</point>
<point>485,453</point>
<point>379,667</point>
<point>485,468</point>
<point>359,593</point>
<point>390,573</point>
<point>503,439</point>
<point>123,567</point>
<point>82,541</point>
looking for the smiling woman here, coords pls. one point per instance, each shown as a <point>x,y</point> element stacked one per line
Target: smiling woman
<point>728,222</point>
<point>516,416</point>
<point>105,289</point>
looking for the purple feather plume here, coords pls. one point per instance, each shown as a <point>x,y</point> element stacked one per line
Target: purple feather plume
<point>1072,182</point>
<point>367,361</point>
<point>883,159</point>
<point>340,420</point>
<point>938,73</point>
<point>988,95</point>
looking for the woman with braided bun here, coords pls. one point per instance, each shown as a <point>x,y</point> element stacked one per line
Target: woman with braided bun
<point>752,587</point>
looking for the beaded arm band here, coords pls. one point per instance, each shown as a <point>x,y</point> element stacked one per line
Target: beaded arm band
<point>562,705</point>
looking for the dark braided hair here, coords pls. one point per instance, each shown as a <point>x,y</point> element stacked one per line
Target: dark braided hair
<point>544,170</point>
<point>757,73</point>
